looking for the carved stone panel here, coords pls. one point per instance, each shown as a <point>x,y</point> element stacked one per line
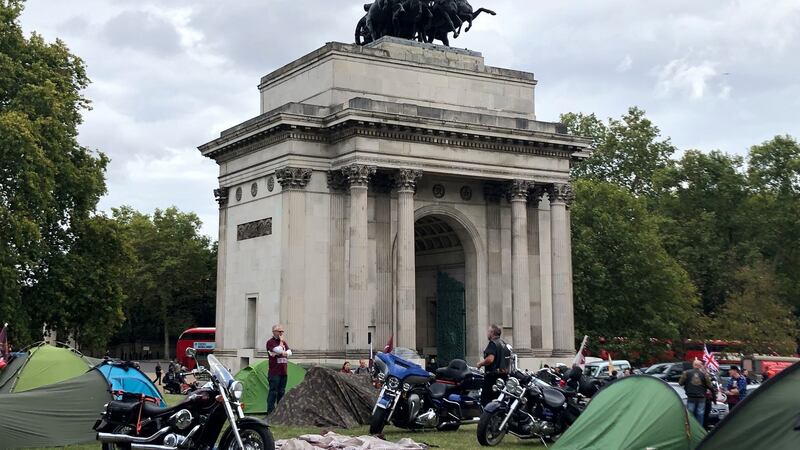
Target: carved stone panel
<point>255,229</point>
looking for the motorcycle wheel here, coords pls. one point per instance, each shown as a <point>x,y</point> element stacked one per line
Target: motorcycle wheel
<point>378,421</point>
<point>254,437</point>
<point>489,433</point>
<point>121,429</point>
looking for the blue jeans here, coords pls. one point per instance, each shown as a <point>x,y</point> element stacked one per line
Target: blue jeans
<point>277,387</point>
<point>697,408</point>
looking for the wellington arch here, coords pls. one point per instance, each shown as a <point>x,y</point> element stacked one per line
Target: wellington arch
<point>396,189</point>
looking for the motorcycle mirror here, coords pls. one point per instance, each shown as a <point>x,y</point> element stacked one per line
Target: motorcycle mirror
<point>191,352</point>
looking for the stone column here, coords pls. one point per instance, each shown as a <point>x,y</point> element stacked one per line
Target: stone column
<point>545,272</point>
<point>521,320</point>
<point>493,193</point>
<point>337,185</point>
<point>221,195</point>
<point>406,182</point>
<point>293,181</point>
<point>563,320</point>
<point>358,310</point>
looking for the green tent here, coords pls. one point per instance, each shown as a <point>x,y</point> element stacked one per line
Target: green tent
<point>256,385</point>
<point>54,415</point>
<point>767,418</point>
<point>634,413</point>
<point>44,365</point>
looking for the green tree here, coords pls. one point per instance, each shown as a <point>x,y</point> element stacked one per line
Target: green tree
<point>173,281</point>
<point>627,152</point>
<point>702,202</point>
<point>49,184</point>
<point>757,315</point>
<point>625,282</point>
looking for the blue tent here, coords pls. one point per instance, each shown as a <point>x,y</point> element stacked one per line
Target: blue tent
<point>126,378</point>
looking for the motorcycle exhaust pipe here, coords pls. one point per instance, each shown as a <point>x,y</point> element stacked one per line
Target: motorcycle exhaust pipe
<point>151,447</point>
<point>427,419</point>
<point>111,438</point>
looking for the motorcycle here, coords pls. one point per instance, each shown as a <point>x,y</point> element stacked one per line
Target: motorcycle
<point>195,423</point>
<point>413,398</point>
<point>528,408</point>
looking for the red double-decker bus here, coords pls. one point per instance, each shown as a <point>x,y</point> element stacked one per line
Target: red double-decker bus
<point>202,339</point>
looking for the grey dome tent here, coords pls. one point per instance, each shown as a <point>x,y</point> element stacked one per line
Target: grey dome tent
<point>768,418</point>
<point>54,415</point>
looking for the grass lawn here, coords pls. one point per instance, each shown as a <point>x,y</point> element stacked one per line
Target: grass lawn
<point>462,439</point>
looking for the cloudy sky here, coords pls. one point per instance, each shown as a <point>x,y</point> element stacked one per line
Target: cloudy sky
<point>170,75</point>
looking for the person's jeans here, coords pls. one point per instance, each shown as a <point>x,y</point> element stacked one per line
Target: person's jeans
<point>697,408</point>
<point>277,387</point>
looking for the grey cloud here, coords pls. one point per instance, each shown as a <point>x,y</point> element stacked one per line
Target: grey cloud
<point>142,31</point>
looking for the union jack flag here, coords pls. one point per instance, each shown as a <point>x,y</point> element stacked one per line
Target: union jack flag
<point>709,361</point>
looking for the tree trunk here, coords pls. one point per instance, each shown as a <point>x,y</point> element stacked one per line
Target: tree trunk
<point>166,336</point>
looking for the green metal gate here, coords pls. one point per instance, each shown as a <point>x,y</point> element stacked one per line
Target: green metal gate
<point>451,320</point>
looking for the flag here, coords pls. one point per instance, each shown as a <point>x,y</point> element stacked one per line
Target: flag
<point>580,358</point>
<point>4,353</point>
<point>389,345</point>
<point>709,361</point>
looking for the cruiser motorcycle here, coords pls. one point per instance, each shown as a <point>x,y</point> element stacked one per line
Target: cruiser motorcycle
<point>196,423</point>
<point>528,408</point>
<point>413,398</point>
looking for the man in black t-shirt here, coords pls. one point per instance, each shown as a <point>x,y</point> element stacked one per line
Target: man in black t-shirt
<point>495,364</point>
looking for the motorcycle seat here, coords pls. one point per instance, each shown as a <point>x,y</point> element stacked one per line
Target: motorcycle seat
<point>438,390</point>
<point>131,409</point>
<point>553,397</point>
<point>457,370</point>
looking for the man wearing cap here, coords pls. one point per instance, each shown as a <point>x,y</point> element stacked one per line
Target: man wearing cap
<point>279,354</point>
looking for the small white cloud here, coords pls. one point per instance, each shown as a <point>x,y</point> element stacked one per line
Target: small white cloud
<point>679,76</point>
<point>625,65</point>
<point>725,92</point>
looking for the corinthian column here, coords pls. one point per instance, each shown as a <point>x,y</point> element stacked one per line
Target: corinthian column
<point>221,195</point>
<point>293,181</point>
<point>563,320</point>
<point>358,311</point>
<point>518,196</point>
<point>406,181</point>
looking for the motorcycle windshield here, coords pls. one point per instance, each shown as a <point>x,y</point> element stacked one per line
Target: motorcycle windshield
<point>219,371</point>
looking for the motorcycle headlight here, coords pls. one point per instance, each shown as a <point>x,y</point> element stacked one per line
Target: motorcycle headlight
<point>393,383</point>
<point>237,389</point>
<point>500,383</point>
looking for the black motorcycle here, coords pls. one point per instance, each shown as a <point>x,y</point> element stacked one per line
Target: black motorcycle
<point>528,408</point>
<point>196,423</point>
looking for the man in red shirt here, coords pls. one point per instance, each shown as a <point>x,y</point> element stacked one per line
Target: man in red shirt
<point>279,354</point>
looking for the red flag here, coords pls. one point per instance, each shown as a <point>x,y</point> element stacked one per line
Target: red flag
<point>389,345</point>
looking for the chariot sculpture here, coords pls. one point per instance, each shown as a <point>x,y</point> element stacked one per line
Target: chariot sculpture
<point>423,20</point>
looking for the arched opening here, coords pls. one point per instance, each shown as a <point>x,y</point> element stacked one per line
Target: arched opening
<point>440,290</point>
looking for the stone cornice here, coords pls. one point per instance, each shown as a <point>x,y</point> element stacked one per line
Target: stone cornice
<point>409,123</point>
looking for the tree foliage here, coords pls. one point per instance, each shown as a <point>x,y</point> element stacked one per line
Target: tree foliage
<point>50,236</point>
<point>626,284</point>
<point>173,282</point>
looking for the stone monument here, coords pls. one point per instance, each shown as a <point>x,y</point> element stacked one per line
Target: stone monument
<point>397,189</point>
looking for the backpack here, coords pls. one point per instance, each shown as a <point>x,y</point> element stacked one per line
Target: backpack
<point>503,355</point>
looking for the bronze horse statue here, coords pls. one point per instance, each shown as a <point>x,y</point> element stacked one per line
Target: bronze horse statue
<point>424,20</point>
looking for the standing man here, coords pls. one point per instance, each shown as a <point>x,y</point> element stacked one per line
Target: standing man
<point>495,361</point>
<point>363,367</point>
<point>695,382</point>
<point>158,373</point>
<point>736,389</point>
<point>279,354</point>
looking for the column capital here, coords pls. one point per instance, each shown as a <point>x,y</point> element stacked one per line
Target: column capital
<point>293,178</point>
<point>406,179</point>
<point>560,193</point>
<point>518,190</point>
<point>221,195</point>
<point>337,181</point>
<point>358,175</point>
<point>536,193</point>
